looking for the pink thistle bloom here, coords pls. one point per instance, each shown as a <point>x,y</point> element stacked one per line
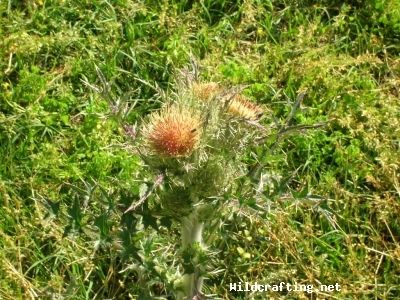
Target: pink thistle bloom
<point>173,132</point>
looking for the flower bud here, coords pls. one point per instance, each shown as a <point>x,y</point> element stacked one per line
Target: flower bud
<point>243,107</point>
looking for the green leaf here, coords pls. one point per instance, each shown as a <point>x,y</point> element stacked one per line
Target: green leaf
<point>149,220</point>
<point>53,208</point>
<point>75,214</point>
<point>102,223</point>
<point>166,222</point>
<point>240,250</point>
<point>75,211</point>
<point>143,189</point>
<point>302,194</point>
<point>65,119</point>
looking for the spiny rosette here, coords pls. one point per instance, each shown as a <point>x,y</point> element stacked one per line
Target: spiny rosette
<point>173,132</point>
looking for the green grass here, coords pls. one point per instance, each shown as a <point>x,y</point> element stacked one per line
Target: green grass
<point>64,157</point>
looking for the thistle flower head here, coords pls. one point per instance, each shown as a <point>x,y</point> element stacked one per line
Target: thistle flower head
<point>206,91</point>
<point>172,132</point>
<point>243,107</point>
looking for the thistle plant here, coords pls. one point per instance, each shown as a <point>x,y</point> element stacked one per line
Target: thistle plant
<point>197,140</point>
<point>195,143</point>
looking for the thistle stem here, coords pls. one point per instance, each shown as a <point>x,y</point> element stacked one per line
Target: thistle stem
<point>192,230</point>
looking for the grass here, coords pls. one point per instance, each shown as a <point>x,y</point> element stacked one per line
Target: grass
<point>327,205</point>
